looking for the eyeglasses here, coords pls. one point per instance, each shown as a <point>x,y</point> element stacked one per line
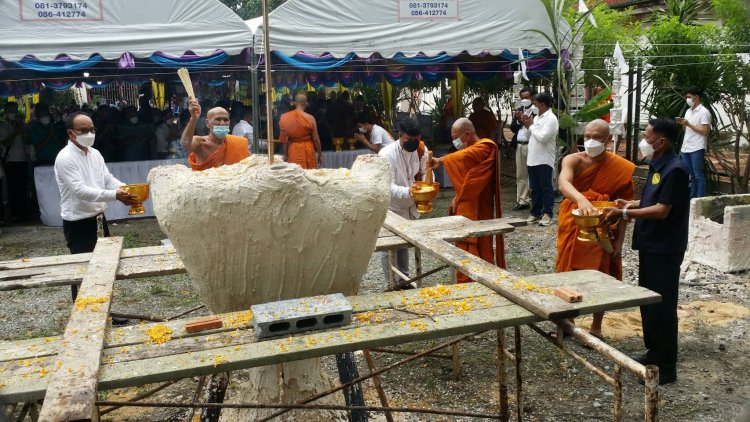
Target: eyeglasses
<point>85,131</point>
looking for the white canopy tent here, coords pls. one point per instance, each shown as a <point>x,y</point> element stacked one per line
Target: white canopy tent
<point>110,28</point>
<point>365,27</point>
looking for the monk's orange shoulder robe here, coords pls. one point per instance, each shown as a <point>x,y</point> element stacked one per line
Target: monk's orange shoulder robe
<point>608,180</point>
<point>232,151</point>
<point>297,131</point>
<point>472,171</point>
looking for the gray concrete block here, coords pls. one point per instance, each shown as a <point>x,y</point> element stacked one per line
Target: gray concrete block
<point>304,314</point>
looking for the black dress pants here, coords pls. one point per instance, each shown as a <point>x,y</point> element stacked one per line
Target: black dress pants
<point>17,173</point>
<point>81,238</point>
<point>661,274</point>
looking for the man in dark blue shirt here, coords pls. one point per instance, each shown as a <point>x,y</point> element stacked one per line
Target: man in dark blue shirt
<point>660,237</point>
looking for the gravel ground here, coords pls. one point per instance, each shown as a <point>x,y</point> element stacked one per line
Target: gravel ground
<point>713,369</point>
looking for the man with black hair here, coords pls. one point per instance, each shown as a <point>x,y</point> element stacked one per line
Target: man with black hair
<point>697,124</point>
<point>521,142</point>
<point>542,132</point>
<point>86,185</point>
<point>408,160</point>
<point>660,236</point>
<point>366,128</point>
<point>483,119</point>
<point>14,138</point>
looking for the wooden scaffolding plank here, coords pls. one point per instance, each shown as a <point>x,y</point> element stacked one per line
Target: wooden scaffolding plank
<point>73,386</point>
<point>510,286</point>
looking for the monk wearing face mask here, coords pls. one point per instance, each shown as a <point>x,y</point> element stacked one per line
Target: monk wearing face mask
<point>218,147</point>
<point>592,175</point>
<point>473,171</point>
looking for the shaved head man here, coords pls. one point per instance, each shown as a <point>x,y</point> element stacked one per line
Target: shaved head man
<point>484,120</point>
<point>218,147</point>
<point>592,175</point>
<point>299,135</point>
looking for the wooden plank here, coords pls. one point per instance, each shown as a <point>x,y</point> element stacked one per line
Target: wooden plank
<point>510,286</point>
<point>73,386</point>
<point>80,258</point>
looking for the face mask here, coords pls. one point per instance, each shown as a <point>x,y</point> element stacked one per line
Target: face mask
<point>534,110</point>
<point>411,146</point>
<point>133,120</point>
<point>11,116</point>
<point>86,139</point>
<point>457,143</point>
<point>689,102</point>
<point>362,130</point>
<point>593,147</point>
<point>220,131</point>
<point>44,120</point>
<point>646,149</point>
<point>526,103</point>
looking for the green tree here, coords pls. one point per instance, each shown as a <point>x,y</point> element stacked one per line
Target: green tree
<point>248,9</point>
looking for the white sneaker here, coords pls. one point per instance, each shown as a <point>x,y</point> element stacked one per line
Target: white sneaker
<point>532,219</point>
<point>546,220</point>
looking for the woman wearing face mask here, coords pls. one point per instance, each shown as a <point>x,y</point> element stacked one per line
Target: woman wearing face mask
<point>592,175</point>
<point>660,236</point>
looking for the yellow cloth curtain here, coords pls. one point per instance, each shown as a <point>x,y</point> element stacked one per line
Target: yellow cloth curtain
<point>157,89</point>
<point>386,90</point>
<point>457,93</point>
<point>27,107</point>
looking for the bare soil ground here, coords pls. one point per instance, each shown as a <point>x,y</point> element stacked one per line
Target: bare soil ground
<point>713,369</point>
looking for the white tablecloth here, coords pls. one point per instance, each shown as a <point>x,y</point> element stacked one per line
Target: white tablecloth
<point>128,172</point>
<point>343,159</point>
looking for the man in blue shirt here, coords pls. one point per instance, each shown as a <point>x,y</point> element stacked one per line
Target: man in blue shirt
<point>660,237</point>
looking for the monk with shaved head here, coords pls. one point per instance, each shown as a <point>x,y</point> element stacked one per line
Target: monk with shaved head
<point>218,147</point>
<point>473,170</point>
<point>299,135</point>
<point>594,174</point>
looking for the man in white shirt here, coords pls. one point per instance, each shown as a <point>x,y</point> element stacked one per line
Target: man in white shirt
<point>243,128</point>
<point>407,162</point>
<point>521,135</point>
<point>542,132</point>
<point>378,137</point>
<point>86,185</point>
<point>697,124</point>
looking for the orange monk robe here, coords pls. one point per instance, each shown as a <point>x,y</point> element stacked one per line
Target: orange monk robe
<point>472,171</point>
<point>484,122</point>
<point>233,150</point>
<point>297,131</point>
<point>610,179</point>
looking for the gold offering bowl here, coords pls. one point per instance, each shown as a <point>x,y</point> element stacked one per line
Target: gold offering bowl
<point>338,143</point>
<point>588,225</point>
<point>352,143</point>
<point>141,192</point>
<point>423,195</point>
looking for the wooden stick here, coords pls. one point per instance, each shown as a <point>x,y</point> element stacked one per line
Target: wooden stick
<point>269,103</point>
<point>72,390</point>
<point>186,82</point>
<point>428,172</point>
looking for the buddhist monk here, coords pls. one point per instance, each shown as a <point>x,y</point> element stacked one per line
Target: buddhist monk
<point>484,120</point>
<point>592,175</point>
<point>299,134</point>
<point>218,147</point>
<point>473,171</point>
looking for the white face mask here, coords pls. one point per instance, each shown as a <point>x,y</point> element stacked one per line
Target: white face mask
<point>457,143</point>
<point>526,103</point>
<point>534,110</point>
<point>689,102</point>
<point>362,130</point>
<point>44,120</point>
<point>593,147</point>
<point>86,139</point>
<point>646,149</point>
<point>133,120</point>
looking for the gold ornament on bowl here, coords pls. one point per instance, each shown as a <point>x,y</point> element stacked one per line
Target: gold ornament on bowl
<point>141,192</point>
<point>588,225</point>
<point>338,143</point>
<point>423,194</point>
<point>352,143</point>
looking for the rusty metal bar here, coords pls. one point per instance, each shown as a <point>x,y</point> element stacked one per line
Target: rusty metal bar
<point>378,387</point>
<point>418,266</point>
<point>578,358</point>
<point>519,379</point>
<point>136,316</point>
<point>189,311</point>
<point>378,372</point>
<point>651,382</point>
<point>140,396</point>
<point>404,352</point>
<point>302,406</point>
<point>618,394</point>
<point>196,396</point>
<point>502,378</point>
<point>418,278</point>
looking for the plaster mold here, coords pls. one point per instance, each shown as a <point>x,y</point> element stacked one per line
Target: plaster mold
<point>719,234</point>
<point>253,233</point>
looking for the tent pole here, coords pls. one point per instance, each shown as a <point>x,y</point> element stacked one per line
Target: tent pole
<point>255,89</point>
<point>269,104</point>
